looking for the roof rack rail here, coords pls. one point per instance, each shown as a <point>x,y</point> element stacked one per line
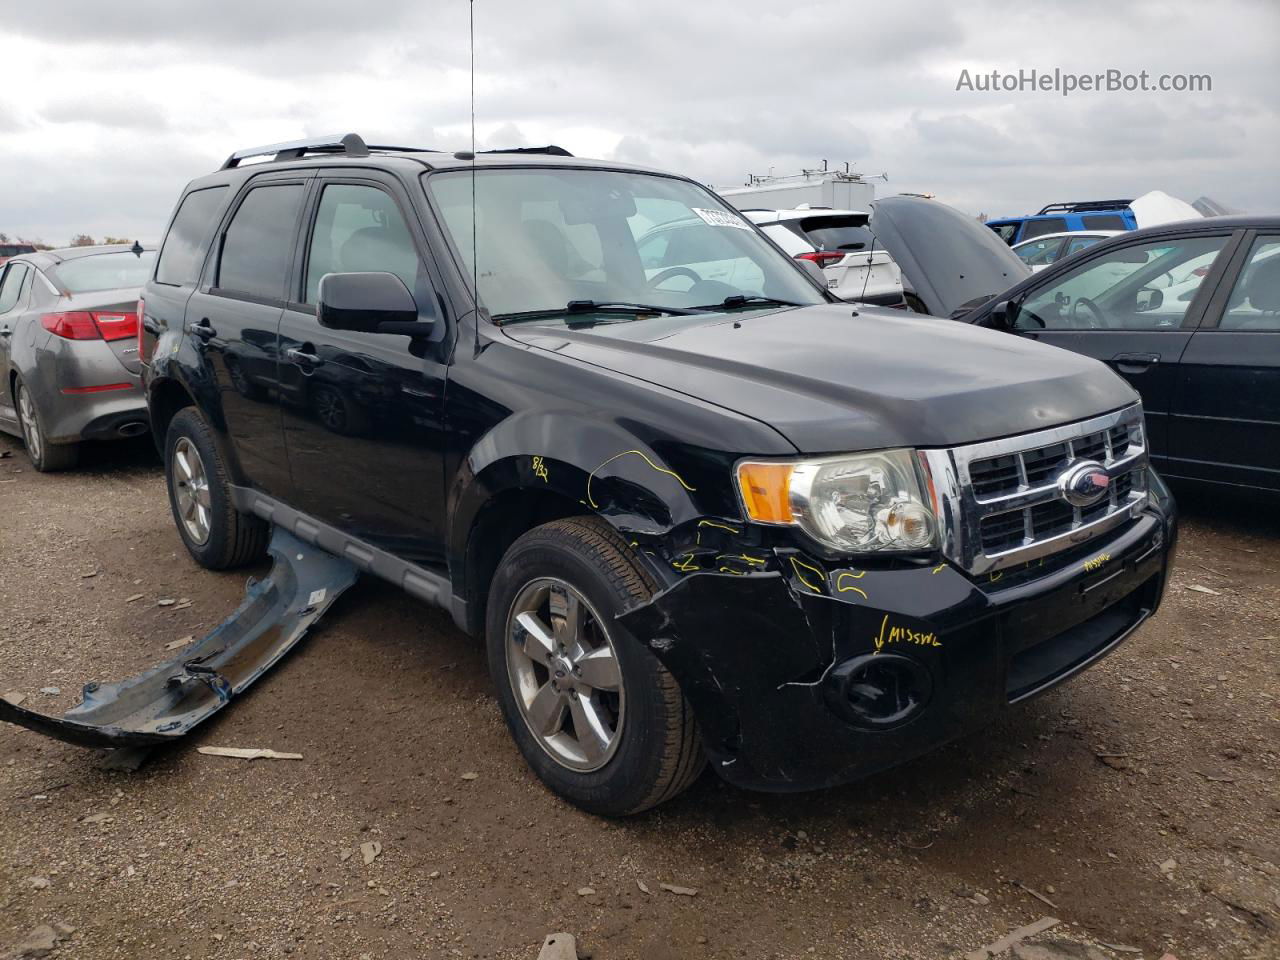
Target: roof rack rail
<point>348,144</point>
<point>549,150</point>
<point>1079,206</point>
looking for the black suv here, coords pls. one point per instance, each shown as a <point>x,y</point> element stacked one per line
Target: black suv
<point>701,510</point>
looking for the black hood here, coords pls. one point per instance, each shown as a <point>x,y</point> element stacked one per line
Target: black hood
<point>832,378</point>
<point>947,258</point>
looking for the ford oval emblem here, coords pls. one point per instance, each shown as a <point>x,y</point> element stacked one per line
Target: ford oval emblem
<point>1084,483</point>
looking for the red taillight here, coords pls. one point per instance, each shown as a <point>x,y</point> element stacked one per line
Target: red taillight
<point>91,325</point>
<point>142,332</point>
<point>822,258</point>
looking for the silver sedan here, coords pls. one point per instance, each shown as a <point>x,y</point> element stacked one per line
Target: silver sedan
<point>69,349</point>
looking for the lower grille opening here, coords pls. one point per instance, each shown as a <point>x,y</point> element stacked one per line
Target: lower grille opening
<point>1040,666</point>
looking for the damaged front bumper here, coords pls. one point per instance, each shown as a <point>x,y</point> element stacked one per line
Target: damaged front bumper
<point>806,682</point>
<point>170,699</point>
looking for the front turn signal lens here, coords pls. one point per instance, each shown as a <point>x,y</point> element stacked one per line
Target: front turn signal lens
<point>766,491</point>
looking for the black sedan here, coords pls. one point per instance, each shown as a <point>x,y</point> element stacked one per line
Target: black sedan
<point>1189,313</point>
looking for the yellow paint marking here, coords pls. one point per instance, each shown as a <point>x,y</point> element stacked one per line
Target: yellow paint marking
<point>939,568</point>
<point>797,564</point>
<point>540,469</point>
<point>640,454</point>
<point>722,526</point>
<point>686,565</point>
<point>889,635</point>
<point>1097,562</point>
<point>851,589</point>
<point>994,577</point>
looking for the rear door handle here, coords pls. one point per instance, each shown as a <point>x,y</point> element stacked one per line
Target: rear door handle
<point>1134,362</point>
<point>202,330</point>
<point>302,358</point>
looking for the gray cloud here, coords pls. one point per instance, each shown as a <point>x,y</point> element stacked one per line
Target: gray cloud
<point>109,110</point>
<point>715,89</point>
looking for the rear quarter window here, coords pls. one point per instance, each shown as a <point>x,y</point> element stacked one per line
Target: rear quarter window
<point>1105,221</point>
<point>183,249</point>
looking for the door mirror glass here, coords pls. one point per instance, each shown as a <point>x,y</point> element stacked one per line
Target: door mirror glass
<point>1149,299</point>
<point>367,303</point>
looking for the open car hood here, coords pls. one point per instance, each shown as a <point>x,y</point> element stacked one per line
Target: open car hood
<point>949,260</point>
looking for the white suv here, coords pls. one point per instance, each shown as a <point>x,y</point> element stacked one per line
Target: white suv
<point>841,243</point>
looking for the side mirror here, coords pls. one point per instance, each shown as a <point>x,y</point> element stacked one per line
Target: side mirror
<point>815,272</point>
<point>1004,315</point>
<point>369,303</point>
<point>1149,298</point>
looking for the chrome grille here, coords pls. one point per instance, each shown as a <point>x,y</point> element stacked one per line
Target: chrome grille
<point>1001,503</point>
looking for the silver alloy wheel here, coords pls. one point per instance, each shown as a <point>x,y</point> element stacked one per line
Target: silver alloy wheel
<point>190,484</point>
<point>30,425</point>
<point>565,675</point>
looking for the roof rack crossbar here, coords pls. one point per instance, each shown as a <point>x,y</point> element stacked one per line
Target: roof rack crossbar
<point>1079,206</point>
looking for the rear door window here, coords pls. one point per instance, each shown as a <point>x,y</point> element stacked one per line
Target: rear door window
<point>1076,244</point>
<point>1255,301</point>
<point>1039,253</point>
<point>183,249</point>
<point>257,248</point>
<point>1038,228</point>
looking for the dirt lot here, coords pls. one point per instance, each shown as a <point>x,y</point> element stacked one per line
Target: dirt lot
<point>1141,800</point>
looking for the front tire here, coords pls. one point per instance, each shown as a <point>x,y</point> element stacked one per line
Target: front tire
<point>217,535</point>
<point>46,457</point>
<point>595,714</point>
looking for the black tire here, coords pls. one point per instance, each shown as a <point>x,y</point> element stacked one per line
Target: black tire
<point>660,753</point>
<point>234,539</point>
<point>46,457</point>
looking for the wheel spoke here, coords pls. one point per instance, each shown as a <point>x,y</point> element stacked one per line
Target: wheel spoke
<point>600,669</point>
<point>201,495</point>
<point>537,643</point>
<point>593,736</point>
<point>566,616</point>
<point>546,710</point>
<point>180,458</point>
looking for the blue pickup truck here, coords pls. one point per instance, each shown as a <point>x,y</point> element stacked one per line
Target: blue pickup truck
<point>1061,217</point>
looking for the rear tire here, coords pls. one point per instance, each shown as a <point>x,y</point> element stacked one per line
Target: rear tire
<point>46,457</point>
<point>217,535</point>
<point>646,749</point>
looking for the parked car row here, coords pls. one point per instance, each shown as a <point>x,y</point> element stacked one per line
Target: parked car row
<point>699,507</point>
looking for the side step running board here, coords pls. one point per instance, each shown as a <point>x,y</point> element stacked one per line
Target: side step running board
<point>171,698</point>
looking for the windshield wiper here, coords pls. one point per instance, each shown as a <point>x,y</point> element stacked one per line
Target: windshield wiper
<point>742,300</point>
<point>595,306</point>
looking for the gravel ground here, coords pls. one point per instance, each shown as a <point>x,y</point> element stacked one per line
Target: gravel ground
<point>1139,801</point>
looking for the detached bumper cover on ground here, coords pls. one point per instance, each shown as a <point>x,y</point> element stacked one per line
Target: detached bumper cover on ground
<point>171,698</point>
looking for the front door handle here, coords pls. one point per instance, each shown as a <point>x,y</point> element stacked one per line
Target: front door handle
<point>1135,362</point>
<point>202,330</point>
<point>302,358</point>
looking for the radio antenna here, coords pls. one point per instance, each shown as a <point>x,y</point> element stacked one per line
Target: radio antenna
<point>475,262</point>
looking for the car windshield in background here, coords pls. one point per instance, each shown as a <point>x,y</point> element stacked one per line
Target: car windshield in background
<point>104,271</point>
<point>547,238</point>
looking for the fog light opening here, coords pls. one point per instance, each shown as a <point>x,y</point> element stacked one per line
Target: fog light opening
<point>879,690</point>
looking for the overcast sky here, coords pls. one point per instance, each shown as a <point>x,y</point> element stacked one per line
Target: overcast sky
<point>107,109</point>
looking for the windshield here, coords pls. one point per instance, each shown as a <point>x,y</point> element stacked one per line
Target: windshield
<point>546,238</point>
<point>104,271</point>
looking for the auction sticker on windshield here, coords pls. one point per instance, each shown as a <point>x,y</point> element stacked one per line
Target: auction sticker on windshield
<point>721,218</point>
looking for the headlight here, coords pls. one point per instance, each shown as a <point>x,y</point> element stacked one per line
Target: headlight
<point>865,502</point>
